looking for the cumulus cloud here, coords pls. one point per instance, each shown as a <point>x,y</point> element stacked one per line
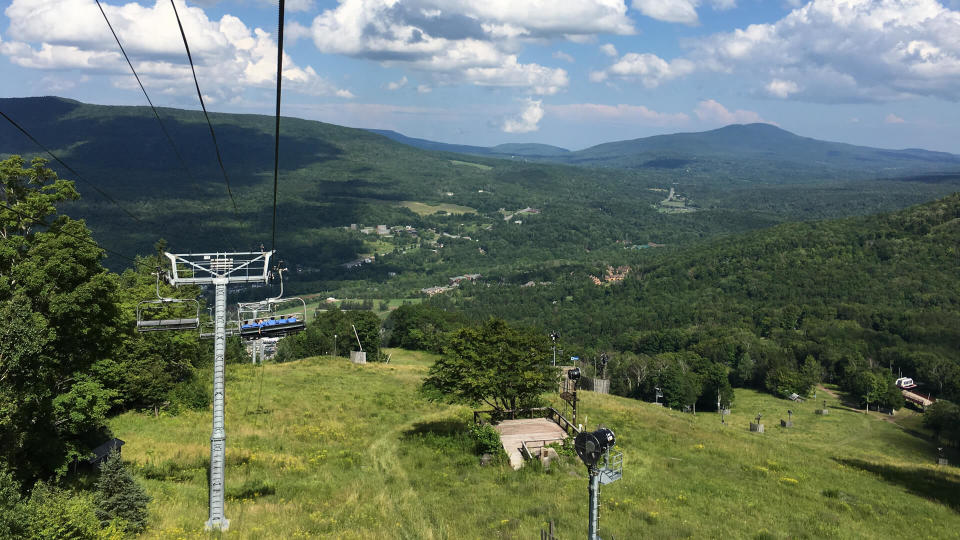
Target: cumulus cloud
<point>396,85</point>
<point>424,89</point>
<point>633,114</point>
<point>528,120</point>
<point>609,50</point>
<point>675,11</point>
<point>678,11</point>
<point>782,89</point>
<point>847,50</point>
<point>712,112</point>
<point>464,41</point>
<point>648,69</point>
<point>893,119</point>
<point>230,57</point>
<point>560,55</point>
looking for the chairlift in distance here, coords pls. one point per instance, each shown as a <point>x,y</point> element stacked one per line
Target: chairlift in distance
<point>270,318</point>
<point>146,308</point>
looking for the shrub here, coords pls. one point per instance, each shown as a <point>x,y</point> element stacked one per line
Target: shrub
<point>56,513</point>
<point>486,439</point>
<point>13,511</point>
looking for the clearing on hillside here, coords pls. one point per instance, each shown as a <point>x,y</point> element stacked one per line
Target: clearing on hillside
<point>424,209</point>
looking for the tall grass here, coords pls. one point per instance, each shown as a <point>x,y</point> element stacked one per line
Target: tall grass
<point>344,451</point>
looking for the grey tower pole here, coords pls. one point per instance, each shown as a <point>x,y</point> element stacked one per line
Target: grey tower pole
<point>219,270</point>
<point>218,437</point>
<point>594,504</point>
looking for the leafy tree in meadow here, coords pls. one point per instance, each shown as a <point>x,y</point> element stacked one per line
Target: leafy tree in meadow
<point>715,381</point>
<point>680,385</point>
<point>59,310</point>
<point>496,364</point>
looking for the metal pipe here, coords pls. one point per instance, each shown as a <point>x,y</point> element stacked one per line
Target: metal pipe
<point>594,504</point>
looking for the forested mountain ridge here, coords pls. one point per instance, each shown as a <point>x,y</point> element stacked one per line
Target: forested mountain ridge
<point>774,153</point>
<point>333,176</point>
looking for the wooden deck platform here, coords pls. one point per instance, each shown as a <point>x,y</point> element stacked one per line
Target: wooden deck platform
<point>514,432</point>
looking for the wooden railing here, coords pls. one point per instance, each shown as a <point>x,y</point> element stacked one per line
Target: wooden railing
<point>528,447</point>
<point>534,412</point>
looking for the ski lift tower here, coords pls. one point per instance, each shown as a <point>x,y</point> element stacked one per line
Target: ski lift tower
<point>219,270</point>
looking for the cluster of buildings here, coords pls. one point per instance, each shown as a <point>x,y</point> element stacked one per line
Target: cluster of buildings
<point>612,275</point>
<point>384,230</point>
<point>455,282</point>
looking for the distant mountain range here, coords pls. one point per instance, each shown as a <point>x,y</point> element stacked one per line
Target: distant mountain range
<point>763,144</point>
<point>501,150</point>
<point>738,177</point>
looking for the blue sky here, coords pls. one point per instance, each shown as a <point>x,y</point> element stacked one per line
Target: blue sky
<point>572,73</point>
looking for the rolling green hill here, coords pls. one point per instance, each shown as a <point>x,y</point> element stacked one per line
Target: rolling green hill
<point>332,177</point>
<point>762,143</point>
<point>337,450</point>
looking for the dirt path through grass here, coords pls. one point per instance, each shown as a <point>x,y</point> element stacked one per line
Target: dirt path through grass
<point>400,498</point>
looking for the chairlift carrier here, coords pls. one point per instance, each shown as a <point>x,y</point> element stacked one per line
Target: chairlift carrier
<point>147,324</point>
<point>263,319</point>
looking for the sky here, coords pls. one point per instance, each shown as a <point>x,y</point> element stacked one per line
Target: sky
<point>571,73</point>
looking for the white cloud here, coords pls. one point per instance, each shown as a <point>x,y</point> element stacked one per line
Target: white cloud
<point>294,32</point>
<point>678,11</point>
<point>424,89</point>
<point>560,55</point>
<point>230,57</point>
<point>632,114</point>
<point>609,50</point>
<point>675,11</point>
<point>528,120</point>
<point>396,85</point>
<point>782,89</point>
<point>848,50</point>
<point>712,112</point>
<point>536,78</point>
<point>464,41</point>
<point>893,119</point>
<point>649,69</point>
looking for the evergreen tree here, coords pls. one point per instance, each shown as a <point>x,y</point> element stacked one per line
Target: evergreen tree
<point>119,496</point>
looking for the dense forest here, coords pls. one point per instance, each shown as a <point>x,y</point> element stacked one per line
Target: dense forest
<point>777,309</point>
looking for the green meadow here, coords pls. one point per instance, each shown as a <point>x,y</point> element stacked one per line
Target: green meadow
<point>322,448</point>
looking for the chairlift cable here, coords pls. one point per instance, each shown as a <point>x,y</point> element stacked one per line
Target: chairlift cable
<point>69,168</point>
<point>163,126</point>
<point>213,135</point>
<point>276,140</point>
<point>75,237</point>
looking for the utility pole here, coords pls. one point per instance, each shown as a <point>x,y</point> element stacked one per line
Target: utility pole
<point>554,336</point>
<point>219,270</point>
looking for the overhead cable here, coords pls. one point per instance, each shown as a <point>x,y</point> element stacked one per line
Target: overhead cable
<point>155,113</point>
<point>276,141</point>
<point>69,168</point>
<point>213,135</point>
<point>75,237</point>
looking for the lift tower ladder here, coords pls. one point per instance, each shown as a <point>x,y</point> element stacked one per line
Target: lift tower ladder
<point>219,270</point>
